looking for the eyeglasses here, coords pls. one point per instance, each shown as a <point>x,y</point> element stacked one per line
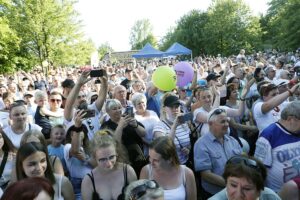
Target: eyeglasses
<point>109,158</point>
<point>55,100</point>
<point>217,112</point>
<point>244,160</point>
<point>141,190</point>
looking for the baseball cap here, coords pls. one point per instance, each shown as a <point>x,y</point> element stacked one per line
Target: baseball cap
<point>212,76</point>
<point>171,101</point>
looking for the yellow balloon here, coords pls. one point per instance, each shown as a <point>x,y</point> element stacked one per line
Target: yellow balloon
<point>164,78</point>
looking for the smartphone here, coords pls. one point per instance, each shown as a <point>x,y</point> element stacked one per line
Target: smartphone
<point>129,111</point>
<point>89,113</point>
<point>97,73</point>
<point>186,117</point>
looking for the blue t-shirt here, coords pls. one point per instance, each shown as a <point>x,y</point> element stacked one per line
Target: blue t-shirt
<point>59,152</point>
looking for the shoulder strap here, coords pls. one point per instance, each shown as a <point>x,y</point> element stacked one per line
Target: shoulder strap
<point>92,179</point>
<point>59,186</point>
<point>53,162</point>
<point>29,126</point>
<point>3,162</point>
<point>183,174</point>
<point>125,175</point>
<point>166,124</point>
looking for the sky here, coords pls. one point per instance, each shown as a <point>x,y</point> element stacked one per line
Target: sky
<point>111,20</point>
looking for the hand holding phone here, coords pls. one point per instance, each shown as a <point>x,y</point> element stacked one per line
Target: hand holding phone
<point>97,73</point>
<point>186,117</point>
<point>89,113</point>
<point>129,111</point>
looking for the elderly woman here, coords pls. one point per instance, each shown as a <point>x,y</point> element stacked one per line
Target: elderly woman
<point>245,177</point>
<point>177,180</point>
<point>128,131</point>
<point>147,117</point>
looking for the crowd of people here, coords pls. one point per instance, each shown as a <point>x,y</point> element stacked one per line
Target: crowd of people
<point>232,133</point>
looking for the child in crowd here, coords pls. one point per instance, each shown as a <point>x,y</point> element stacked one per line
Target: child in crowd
<point>42,113</point>
<point>56,147</point>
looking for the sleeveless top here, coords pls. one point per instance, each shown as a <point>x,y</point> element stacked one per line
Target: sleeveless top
<point>178,193</point>
<point>96,196</point>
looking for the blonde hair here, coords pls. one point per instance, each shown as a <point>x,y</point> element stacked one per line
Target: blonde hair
<point>40,94</point>
<point>104,138</point>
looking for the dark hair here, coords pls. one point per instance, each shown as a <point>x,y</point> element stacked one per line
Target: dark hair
<point>28,189</point>
<point>27,150</point>
<point>230,87</point>
<point>68,83</point>
<point>256,174</point>
<point>166,148</point>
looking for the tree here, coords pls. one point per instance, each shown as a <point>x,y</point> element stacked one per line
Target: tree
<point>104,49</point>
<point>188,32</point>
<point>48,30</point>
<point>141,33</point>
<point>282,27</point>
<point>230,27</point>
<point>9,42</point>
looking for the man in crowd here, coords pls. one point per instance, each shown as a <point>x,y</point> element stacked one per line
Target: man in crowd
<point>278,147</point>
<point>212,151</point>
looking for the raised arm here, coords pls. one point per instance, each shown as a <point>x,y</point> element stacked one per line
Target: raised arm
<point>68,110</point>
<point>102,93</point>
<point>277,100</point>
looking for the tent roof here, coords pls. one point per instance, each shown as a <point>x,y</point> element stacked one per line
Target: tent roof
<point>148,52</point>
<point>178,49</point>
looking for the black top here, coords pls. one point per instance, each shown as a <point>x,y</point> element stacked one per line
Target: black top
<point>133,144</point>
<point>43,121</point>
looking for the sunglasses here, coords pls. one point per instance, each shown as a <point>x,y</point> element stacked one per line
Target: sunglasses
<point>55,100</point>
<point>141,190</point>
<point>244,160</point>
<point>217,112</point>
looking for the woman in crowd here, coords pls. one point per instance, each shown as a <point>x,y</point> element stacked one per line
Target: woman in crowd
<point>7,160</point>
<point>177,180</point>
<point>36,188</point>
<point>128,131</point>
<point>33,161</point>
<point>171,125</point>
<point>109,179</point>
<point>37,136</point>
<point>245,177</point>
<point>147,117</point>
<point>210,99</point>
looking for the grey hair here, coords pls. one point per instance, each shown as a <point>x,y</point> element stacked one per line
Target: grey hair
<point>292,109</point>
<point>40,94</point>
<point>137,97</point>
<point>111,103</point>
<point>151,193</point>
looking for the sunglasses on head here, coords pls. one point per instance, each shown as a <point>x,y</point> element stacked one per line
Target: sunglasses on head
<point>141,190</point>
<point>244,160</point>
<point>218,111</point>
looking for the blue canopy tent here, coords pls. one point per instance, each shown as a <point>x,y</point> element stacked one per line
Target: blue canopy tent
<point>148,52</point>
<point>178,49</point>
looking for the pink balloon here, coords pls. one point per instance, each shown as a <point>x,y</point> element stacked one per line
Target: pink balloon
<point>184,72</point>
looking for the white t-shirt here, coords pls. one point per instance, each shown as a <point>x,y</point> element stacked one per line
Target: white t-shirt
<point>264,120</point>
<point>16,138</point>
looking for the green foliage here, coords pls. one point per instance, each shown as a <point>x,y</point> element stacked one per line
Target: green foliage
<point>47,30</point>
<point>104,49</point>
<point>141,34</point>
<point>225,28</point>
<point>283,27</point>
